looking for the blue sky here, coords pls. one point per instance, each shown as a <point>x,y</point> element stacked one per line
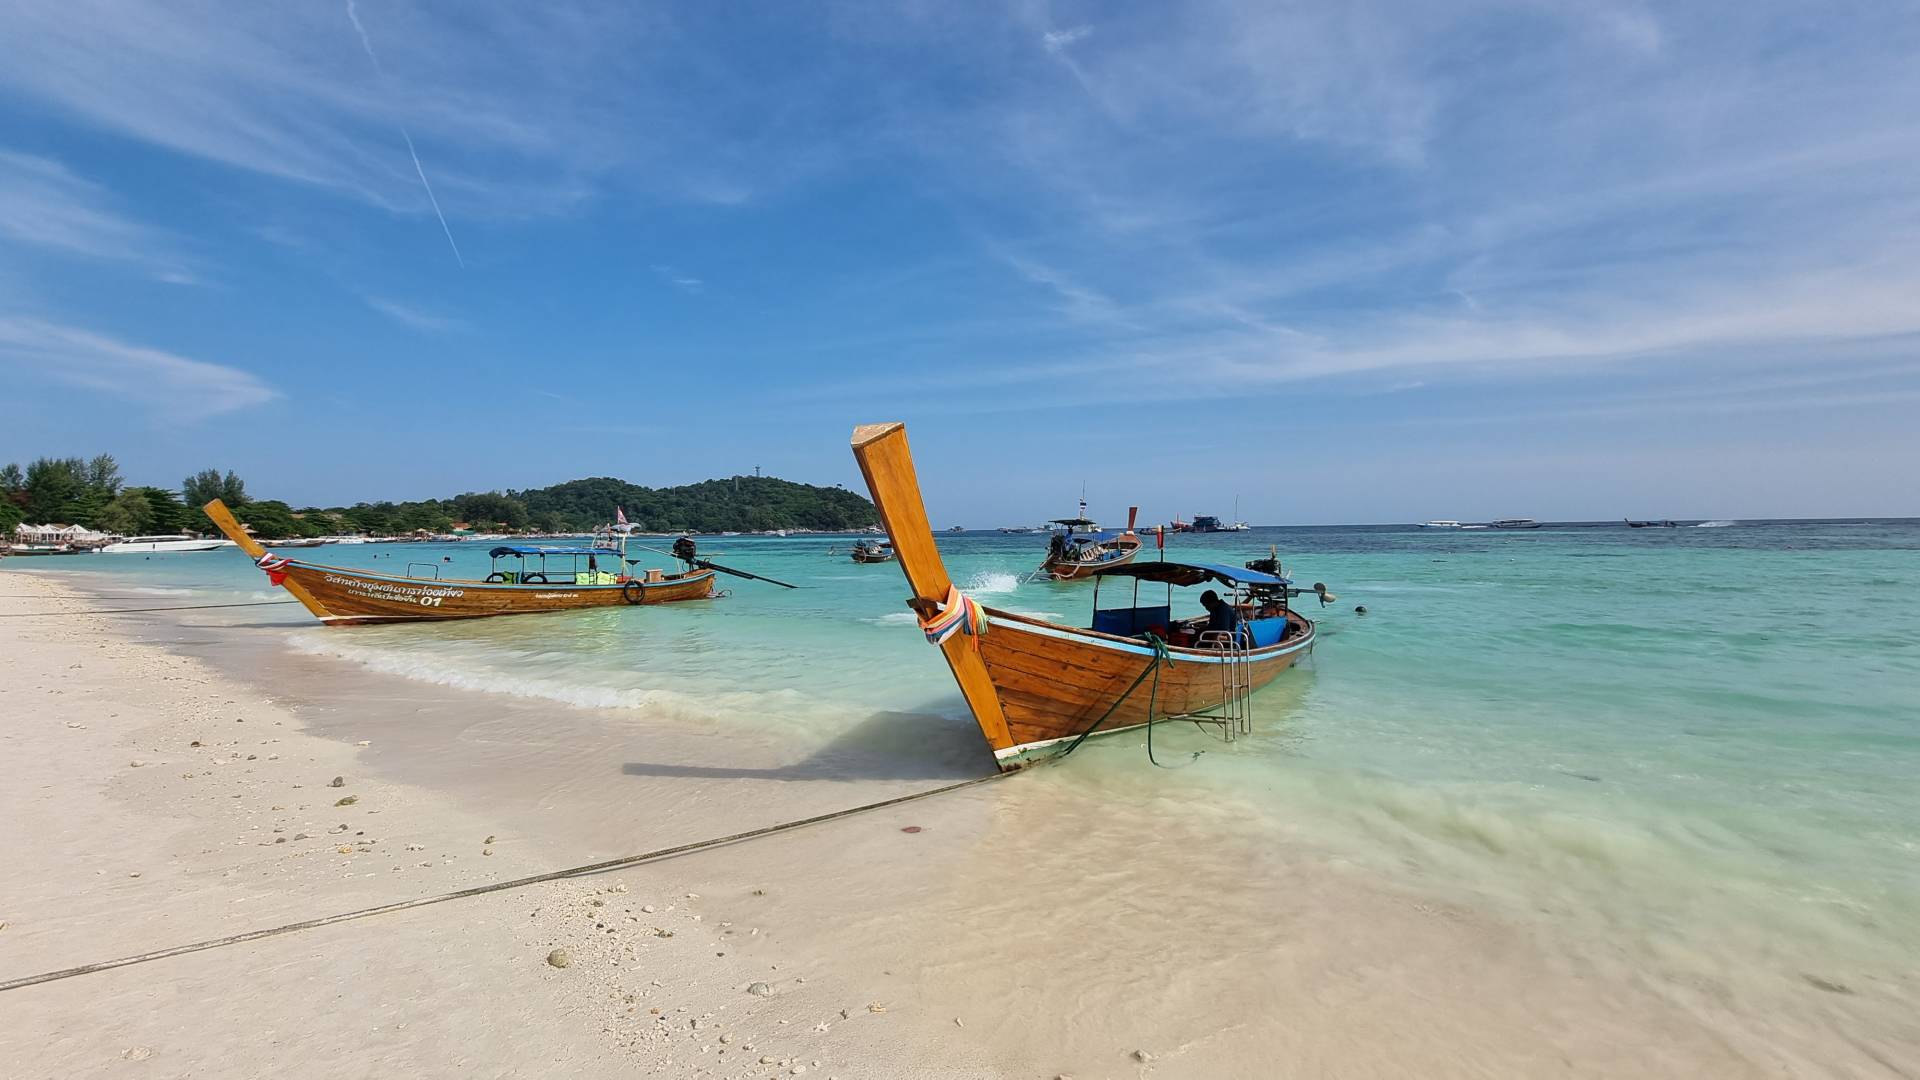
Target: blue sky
<point>1363,262</point>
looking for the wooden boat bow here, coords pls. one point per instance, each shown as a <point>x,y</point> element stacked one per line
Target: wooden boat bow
<point>887,464</point>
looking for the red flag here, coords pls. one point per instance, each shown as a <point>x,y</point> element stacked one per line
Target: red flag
<point>1160,537</point>
<point>619,516</point>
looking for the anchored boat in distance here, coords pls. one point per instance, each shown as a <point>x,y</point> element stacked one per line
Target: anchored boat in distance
<point>1080,547</point>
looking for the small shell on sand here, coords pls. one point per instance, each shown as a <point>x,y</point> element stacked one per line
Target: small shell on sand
<point>559,958</point>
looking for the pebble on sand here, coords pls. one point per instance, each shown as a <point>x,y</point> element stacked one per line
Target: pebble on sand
<point>348,800</point>
<point>338,781</point>
<point>1142,1056</point>
<point>559,958</point>
<point>760,989</point>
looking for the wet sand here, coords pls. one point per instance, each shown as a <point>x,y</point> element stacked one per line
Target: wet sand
<point>1026,929</point>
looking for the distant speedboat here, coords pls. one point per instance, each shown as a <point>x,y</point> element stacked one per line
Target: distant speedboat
<point>1515,523</point>
<point>956,528</point>
<point>155,545</point>
<point>1441,525</point>
<point>1661,524</point>
<point>1022,530</point>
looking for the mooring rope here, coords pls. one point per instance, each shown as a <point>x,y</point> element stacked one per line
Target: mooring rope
<point>1160,656</point>
<point>136,610</point>
<point>481,890</point>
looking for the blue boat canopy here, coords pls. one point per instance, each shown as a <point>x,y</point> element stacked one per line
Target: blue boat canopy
<point>1100,537</point>
<point>522,552</point>
<point>1185,574</point>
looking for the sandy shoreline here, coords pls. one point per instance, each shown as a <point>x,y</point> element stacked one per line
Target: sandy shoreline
<point>134,838</point>
<point>1025,931</point>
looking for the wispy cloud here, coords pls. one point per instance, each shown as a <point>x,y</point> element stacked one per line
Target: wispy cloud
<point>45,205</point>
<point>1056,40</point>
<point>415,318</point>
<point>35,350</point>
<point>683,281</point>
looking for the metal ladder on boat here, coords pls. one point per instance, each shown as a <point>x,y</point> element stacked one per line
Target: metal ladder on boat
<point>1234,713</point>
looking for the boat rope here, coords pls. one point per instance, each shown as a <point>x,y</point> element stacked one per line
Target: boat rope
<point>958,614</point>
<point>134,610</point>
<point>1160,656</point>
<point>498,886</point>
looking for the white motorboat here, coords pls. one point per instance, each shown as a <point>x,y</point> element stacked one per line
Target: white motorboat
<point>157,545</point>
<point>1441,525</point>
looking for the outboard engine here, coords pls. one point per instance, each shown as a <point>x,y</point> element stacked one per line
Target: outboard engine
<point>685,550</point>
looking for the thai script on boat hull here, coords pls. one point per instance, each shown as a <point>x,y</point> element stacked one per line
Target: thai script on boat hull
<point>363,587</point>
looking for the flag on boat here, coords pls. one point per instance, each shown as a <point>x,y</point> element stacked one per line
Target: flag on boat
<point>619,517</point>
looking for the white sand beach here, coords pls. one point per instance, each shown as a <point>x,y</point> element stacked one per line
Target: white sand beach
<point>1020,931</point>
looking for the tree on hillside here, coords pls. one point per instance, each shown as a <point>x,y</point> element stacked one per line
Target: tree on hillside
<point>488,509</point>
<point>55,487</point>
<point>128,514</point>
<point>12,481</point>
<point>103,476</point>
<point>10,516</point>
<point>165,514</point>
<point>207,485</point>
<point>271,519</point>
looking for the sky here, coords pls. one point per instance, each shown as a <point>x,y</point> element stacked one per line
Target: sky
<point>1365,262</point>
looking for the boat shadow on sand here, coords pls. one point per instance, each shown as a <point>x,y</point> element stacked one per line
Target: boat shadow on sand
<point>890,745</point>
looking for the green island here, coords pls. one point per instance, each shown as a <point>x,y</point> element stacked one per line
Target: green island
<point>91,492</point>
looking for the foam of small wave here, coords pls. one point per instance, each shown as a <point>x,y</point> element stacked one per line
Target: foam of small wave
<point>990,582</point>
<point>440,672</point>
<point>1715,524</point>
<point>157,590</point>
<point>894,618</point>
<point>1049,615</point>
<point>467,673</point>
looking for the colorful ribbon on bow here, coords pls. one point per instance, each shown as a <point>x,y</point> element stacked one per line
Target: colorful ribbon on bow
<point>274,565</point>
<point>960,614</point>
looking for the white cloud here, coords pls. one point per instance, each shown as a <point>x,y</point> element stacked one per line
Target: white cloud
<point>177,385</point>
<point>1056,40</point>
<point>414,317</point>
<point>44,204</point>
<point>683,281</point>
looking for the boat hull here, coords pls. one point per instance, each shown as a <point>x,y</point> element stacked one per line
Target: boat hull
<point>1054,682</point>
<point>861,557</point>
<point>348,598</point>
<point>164,547</point>
<point>1070,570</point>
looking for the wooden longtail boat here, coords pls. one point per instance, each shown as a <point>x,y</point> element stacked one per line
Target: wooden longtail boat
<point>872,551</point>
<point>339,596</point>
<point>1079,547</point>
<point>1032,684</point>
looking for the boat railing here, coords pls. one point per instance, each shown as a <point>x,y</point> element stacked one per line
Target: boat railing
<point>435,567</point>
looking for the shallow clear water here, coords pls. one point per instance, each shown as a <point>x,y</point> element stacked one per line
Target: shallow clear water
<point>1702,740</point>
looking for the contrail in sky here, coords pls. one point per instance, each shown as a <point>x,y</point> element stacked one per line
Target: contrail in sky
<point>367,44</point>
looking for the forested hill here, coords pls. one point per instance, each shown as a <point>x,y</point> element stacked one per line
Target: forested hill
<point>743,503</point>
<point>78,491</point>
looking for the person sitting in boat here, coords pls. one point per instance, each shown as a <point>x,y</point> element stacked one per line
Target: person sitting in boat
<point>1220,614</point>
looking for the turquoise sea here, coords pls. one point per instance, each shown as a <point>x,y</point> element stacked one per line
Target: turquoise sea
<point>1701,742</point>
